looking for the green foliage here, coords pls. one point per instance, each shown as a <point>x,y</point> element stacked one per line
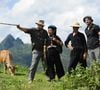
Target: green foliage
<point>88,79</point>
<point>80,79</point>
<point>21,54</point>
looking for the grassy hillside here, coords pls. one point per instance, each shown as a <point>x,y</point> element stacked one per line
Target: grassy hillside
<point>80,79</point>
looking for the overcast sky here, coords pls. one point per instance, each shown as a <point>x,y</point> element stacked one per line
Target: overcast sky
<point>61,13</point>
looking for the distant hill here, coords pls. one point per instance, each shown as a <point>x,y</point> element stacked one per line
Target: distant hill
<point>22,52</point>
<point>9,42</point>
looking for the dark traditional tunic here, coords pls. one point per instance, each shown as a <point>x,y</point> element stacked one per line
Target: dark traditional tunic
<point>79,43</point>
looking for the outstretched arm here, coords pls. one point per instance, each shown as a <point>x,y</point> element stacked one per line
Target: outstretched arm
<point>22,28</point>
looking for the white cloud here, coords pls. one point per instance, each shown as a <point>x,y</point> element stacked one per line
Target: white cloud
<point>22,6</point>
<point>62,13</point>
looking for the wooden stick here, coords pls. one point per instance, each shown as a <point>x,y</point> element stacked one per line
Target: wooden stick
<point>9,24</point>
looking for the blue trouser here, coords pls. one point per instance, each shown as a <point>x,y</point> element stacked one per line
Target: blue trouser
<point>36,56</point>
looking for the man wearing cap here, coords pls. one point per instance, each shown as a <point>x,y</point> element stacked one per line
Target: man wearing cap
<point>77,44</point>
<point>93,38</point>
<point>38,36</point>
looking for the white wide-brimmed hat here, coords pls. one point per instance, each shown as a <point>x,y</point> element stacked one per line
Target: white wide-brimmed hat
<point>75,24</point>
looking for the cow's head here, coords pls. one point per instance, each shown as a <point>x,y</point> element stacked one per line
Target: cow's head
<point>12,69</point>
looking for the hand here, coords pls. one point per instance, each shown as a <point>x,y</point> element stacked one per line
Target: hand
<point>54,39</point>
<point>18,26</point>
<point>85,55</point>
<point>99,42</point>
<point>58,41</point>
<point>70,46</point>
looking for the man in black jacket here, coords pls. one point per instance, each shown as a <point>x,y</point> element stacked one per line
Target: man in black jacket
<point>93,38</point>
<point>38,36</point>
<point>77,44</point>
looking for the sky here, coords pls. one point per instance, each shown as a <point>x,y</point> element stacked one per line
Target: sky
<point>62,13</point>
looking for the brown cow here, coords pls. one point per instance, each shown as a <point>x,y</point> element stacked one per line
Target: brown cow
<point>6,59</point>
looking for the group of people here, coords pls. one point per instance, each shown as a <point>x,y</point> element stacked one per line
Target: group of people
<point>47,46</point>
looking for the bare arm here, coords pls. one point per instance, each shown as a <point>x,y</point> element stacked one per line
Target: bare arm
<point>99,33</point>
<point>99,36</point>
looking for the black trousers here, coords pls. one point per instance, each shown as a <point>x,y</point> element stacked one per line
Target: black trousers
<point>54,65</point>
<point>76,56</point>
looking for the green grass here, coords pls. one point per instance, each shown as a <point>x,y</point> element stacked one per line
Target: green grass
<point>80,79</point>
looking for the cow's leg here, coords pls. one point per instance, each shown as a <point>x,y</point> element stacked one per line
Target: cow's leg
<point>5,68</point>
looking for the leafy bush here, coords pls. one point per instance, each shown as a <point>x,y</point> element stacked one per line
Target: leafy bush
<point>84,78</point>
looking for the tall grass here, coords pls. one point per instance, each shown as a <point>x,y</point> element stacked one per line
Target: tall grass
<point>80,79</point>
